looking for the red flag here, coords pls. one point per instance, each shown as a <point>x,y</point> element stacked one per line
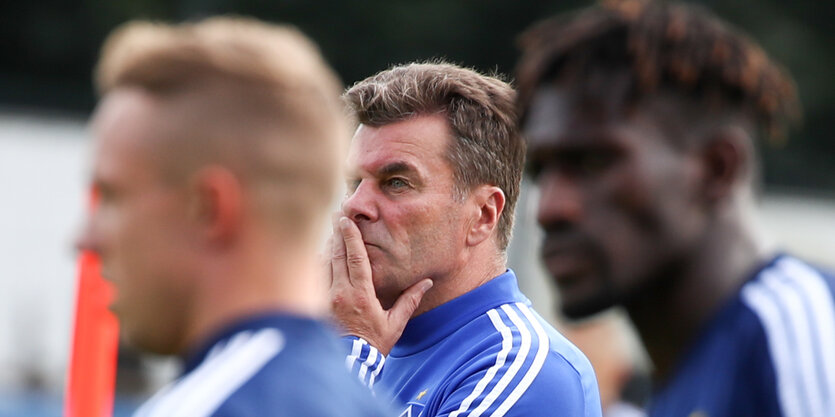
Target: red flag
<point>92,368</point>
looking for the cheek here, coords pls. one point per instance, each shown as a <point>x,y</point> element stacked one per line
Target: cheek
<point>444,234</point>
<point>434,233</point>
<point>139,241</point>
<point>143,267</point>
<point>644,224</point>
<point>152,245</point>
<point>406,223</point>
<point>622,222</point>
<point>644,195</point>
<point>155,284</point>
<point>633,200</point>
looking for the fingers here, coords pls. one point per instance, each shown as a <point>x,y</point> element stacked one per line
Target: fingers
<point>409,301</point>
<point>356,256</point>
<point>339,269</point>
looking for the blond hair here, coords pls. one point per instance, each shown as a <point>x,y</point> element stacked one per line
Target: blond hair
<point>260,97</point>
<point>487,147</point>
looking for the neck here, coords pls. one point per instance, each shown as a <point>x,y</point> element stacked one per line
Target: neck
<point>669,316</point>
<point>253,280</point>
<point>478,265</point>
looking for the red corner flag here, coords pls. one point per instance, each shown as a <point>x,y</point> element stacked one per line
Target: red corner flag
<point>92,369</point>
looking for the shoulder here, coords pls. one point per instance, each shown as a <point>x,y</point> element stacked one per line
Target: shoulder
<point>228,366</point>
<point>308,378</point>
<point>527,369</point>
<point>793,304</point>
<point>558,356</point>
<point>264,372</point>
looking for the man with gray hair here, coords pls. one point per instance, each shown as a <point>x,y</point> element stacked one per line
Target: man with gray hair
<point>215,165</point>
<point>418,266</point>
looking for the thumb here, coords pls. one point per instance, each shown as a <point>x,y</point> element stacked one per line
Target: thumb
<point>409,301</point>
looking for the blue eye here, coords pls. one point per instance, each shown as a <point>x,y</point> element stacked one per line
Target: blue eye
<point>397,183</point>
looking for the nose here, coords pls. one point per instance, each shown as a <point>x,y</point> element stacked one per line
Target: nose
<point>560,200</point>
<point>360,205</point>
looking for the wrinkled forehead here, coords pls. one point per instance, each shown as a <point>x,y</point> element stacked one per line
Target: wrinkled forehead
<point>420,142</point>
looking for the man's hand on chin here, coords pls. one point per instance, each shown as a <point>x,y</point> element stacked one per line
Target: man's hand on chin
<point>354,303</point>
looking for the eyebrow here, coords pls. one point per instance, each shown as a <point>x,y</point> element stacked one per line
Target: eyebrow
<point>395,168</point>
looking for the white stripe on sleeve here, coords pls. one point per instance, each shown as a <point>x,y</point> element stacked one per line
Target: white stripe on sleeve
<point>766,307</point>
<point>376,372</point>
<point>822,311</point>
<point>514,367</point>
<point>801,340</point>
<point>168,396</point>
<point>507,345</point>
<point>536,366</point>
<point>205,389</point>
<point>356,349</point>
<point>372,357</point>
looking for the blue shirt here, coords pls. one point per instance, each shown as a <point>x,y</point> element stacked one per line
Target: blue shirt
<point>484,353</point>
<point>770,352</point>
<point>270,365</point>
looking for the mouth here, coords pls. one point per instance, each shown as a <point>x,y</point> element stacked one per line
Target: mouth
<point>373,246</point>
<point>566,268</point>
<point>567,263</point>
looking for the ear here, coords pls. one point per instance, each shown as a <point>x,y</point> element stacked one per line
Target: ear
<point>489,201</point>
<point>725,158</point>
<point>217,204</point>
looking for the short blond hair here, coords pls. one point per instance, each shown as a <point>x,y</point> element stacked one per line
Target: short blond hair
<point>261,97</point>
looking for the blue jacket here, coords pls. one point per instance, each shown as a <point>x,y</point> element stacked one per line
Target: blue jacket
<point>270,365</point>
<point>484,353</point>
<point>769,352</point>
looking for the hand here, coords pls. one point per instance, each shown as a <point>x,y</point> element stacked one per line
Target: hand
<point>354,302</point>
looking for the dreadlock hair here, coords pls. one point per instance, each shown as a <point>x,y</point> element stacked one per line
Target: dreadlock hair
<point>671,47</point>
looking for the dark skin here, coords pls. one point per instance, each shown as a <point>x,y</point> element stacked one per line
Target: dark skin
<point>643,206</point>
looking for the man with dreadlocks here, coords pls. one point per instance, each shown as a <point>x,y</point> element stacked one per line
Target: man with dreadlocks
<point>642,120</point>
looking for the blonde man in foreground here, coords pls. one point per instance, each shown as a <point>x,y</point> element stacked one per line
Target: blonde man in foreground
<point>217,151</point>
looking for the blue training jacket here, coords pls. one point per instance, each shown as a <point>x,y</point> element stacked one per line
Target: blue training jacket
<point>485,353</point>
<point>769,352</point>
<point>269,365</point>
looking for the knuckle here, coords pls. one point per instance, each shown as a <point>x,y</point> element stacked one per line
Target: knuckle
<point>340,301</point>
<point>355,260</point>
<point>360,302</point>
<point>413,303</point>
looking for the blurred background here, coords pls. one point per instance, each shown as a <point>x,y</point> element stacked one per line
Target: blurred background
<point>47,52</point>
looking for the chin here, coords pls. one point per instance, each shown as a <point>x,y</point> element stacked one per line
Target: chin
<point>386,297</point>
<point>151,344</point>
